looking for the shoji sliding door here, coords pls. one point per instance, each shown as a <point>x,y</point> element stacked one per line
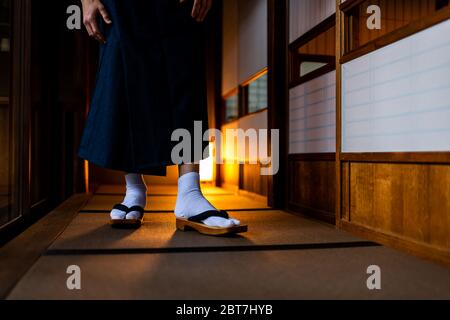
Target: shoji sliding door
<point>312,108</point>
<point>395,125</point>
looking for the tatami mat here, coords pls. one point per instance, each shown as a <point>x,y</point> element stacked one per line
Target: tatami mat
<point>302,274</point>
<point>282,256</point>
<point>266,228</point>
<point>167,203</point>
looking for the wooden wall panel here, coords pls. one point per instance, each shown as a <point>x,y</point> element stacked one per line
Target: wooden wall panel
<point>345,193</point>
<point>394,15</point>
<point>253,181</point>
<point>409,201</point>
<point>246,177</point>
<point>312,186</point>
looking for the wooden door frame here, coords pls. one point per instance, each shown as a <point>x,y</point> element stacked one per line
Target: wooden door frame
<point>23,59</point>
<point>20,84</point>
<point>20,70</point>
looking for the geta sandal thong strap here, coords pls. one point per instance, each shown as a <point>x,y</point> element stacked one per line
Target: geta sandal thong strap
<point>121,207</point>
<point>208,214</point>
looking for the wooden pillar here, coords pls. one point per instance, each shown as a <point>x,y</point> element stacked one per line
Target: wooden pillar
<point>278,30</point>
<point>339,182</point>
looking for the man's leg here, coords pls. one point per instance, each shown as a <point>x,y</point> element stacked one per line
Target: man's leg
<point>136,195</point>
<point>190,200</point>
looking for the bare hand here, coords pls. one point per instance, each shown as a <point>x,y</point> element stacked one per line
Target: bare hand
<point>200,9</point>
<point>91,9</point>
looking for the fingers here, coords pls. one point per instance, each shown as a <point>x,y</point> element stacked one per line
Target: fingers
<point>88,29</point>
<point>196,8</point>
<point>90,22</point>
<point>96,30</point>
<point>104,14</point>
<point>201,9</point>
<point>205,9</point>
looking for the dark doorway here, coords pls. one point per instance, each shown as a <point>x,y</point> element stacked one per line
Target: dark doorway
<point>42,108</point>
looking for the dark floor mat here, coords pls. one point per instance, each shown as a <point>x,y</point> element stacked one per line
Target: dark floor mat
<point>303,274</point>
<point>266,228</point>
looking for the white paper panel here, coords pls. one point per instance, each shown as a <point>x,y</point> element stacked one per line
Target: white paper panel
<point>244,41</point>
<point>306,14</point>
<point>397,99</point>
<point>312,116</point>
<point>230,51</point>
<point>256,121</point>
<point>252,37</point>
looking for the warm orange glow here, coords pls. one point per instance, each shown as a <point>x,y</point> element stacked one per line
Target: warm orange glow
<point>255,77</point>
<point>86,175</point>
<point>207,166</point>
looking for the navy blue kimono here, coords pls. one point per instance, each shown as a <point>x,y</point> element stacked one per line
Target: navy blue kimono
<point>151,80</point>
